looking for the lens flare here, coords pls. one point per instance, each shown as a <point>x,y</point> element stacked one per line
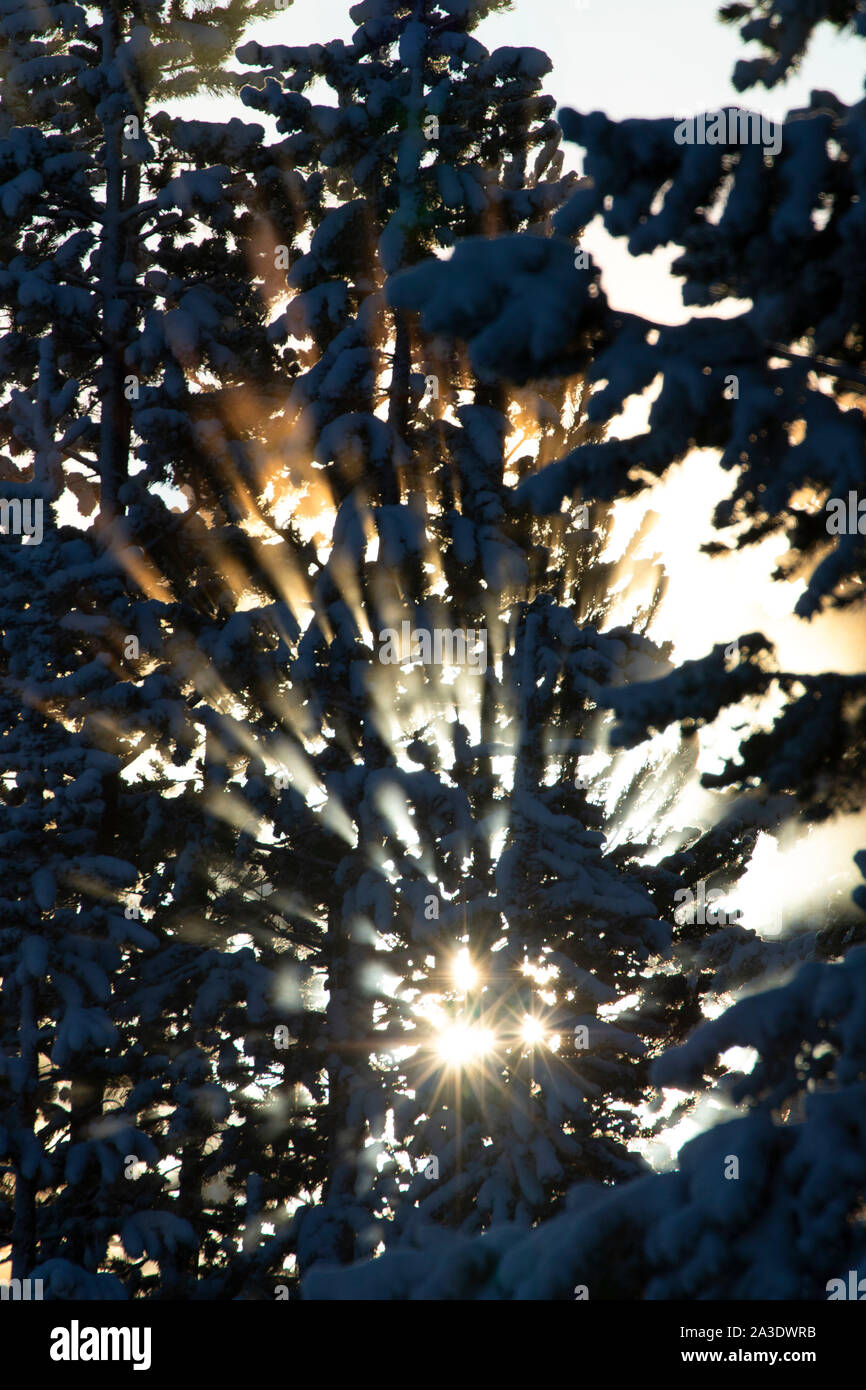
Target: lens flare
<point>461,1044</point>
<point>533,1031</point>
<point>463,971</point>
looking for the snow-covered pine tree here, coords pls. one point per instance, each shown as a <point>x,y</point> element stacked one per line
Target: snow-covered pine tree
<point>455,792</point>
<point>773,387</point>
<point>757,386</point>
<point>766,1205</point>
<point>127,296</point>
<point>777,388</point>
